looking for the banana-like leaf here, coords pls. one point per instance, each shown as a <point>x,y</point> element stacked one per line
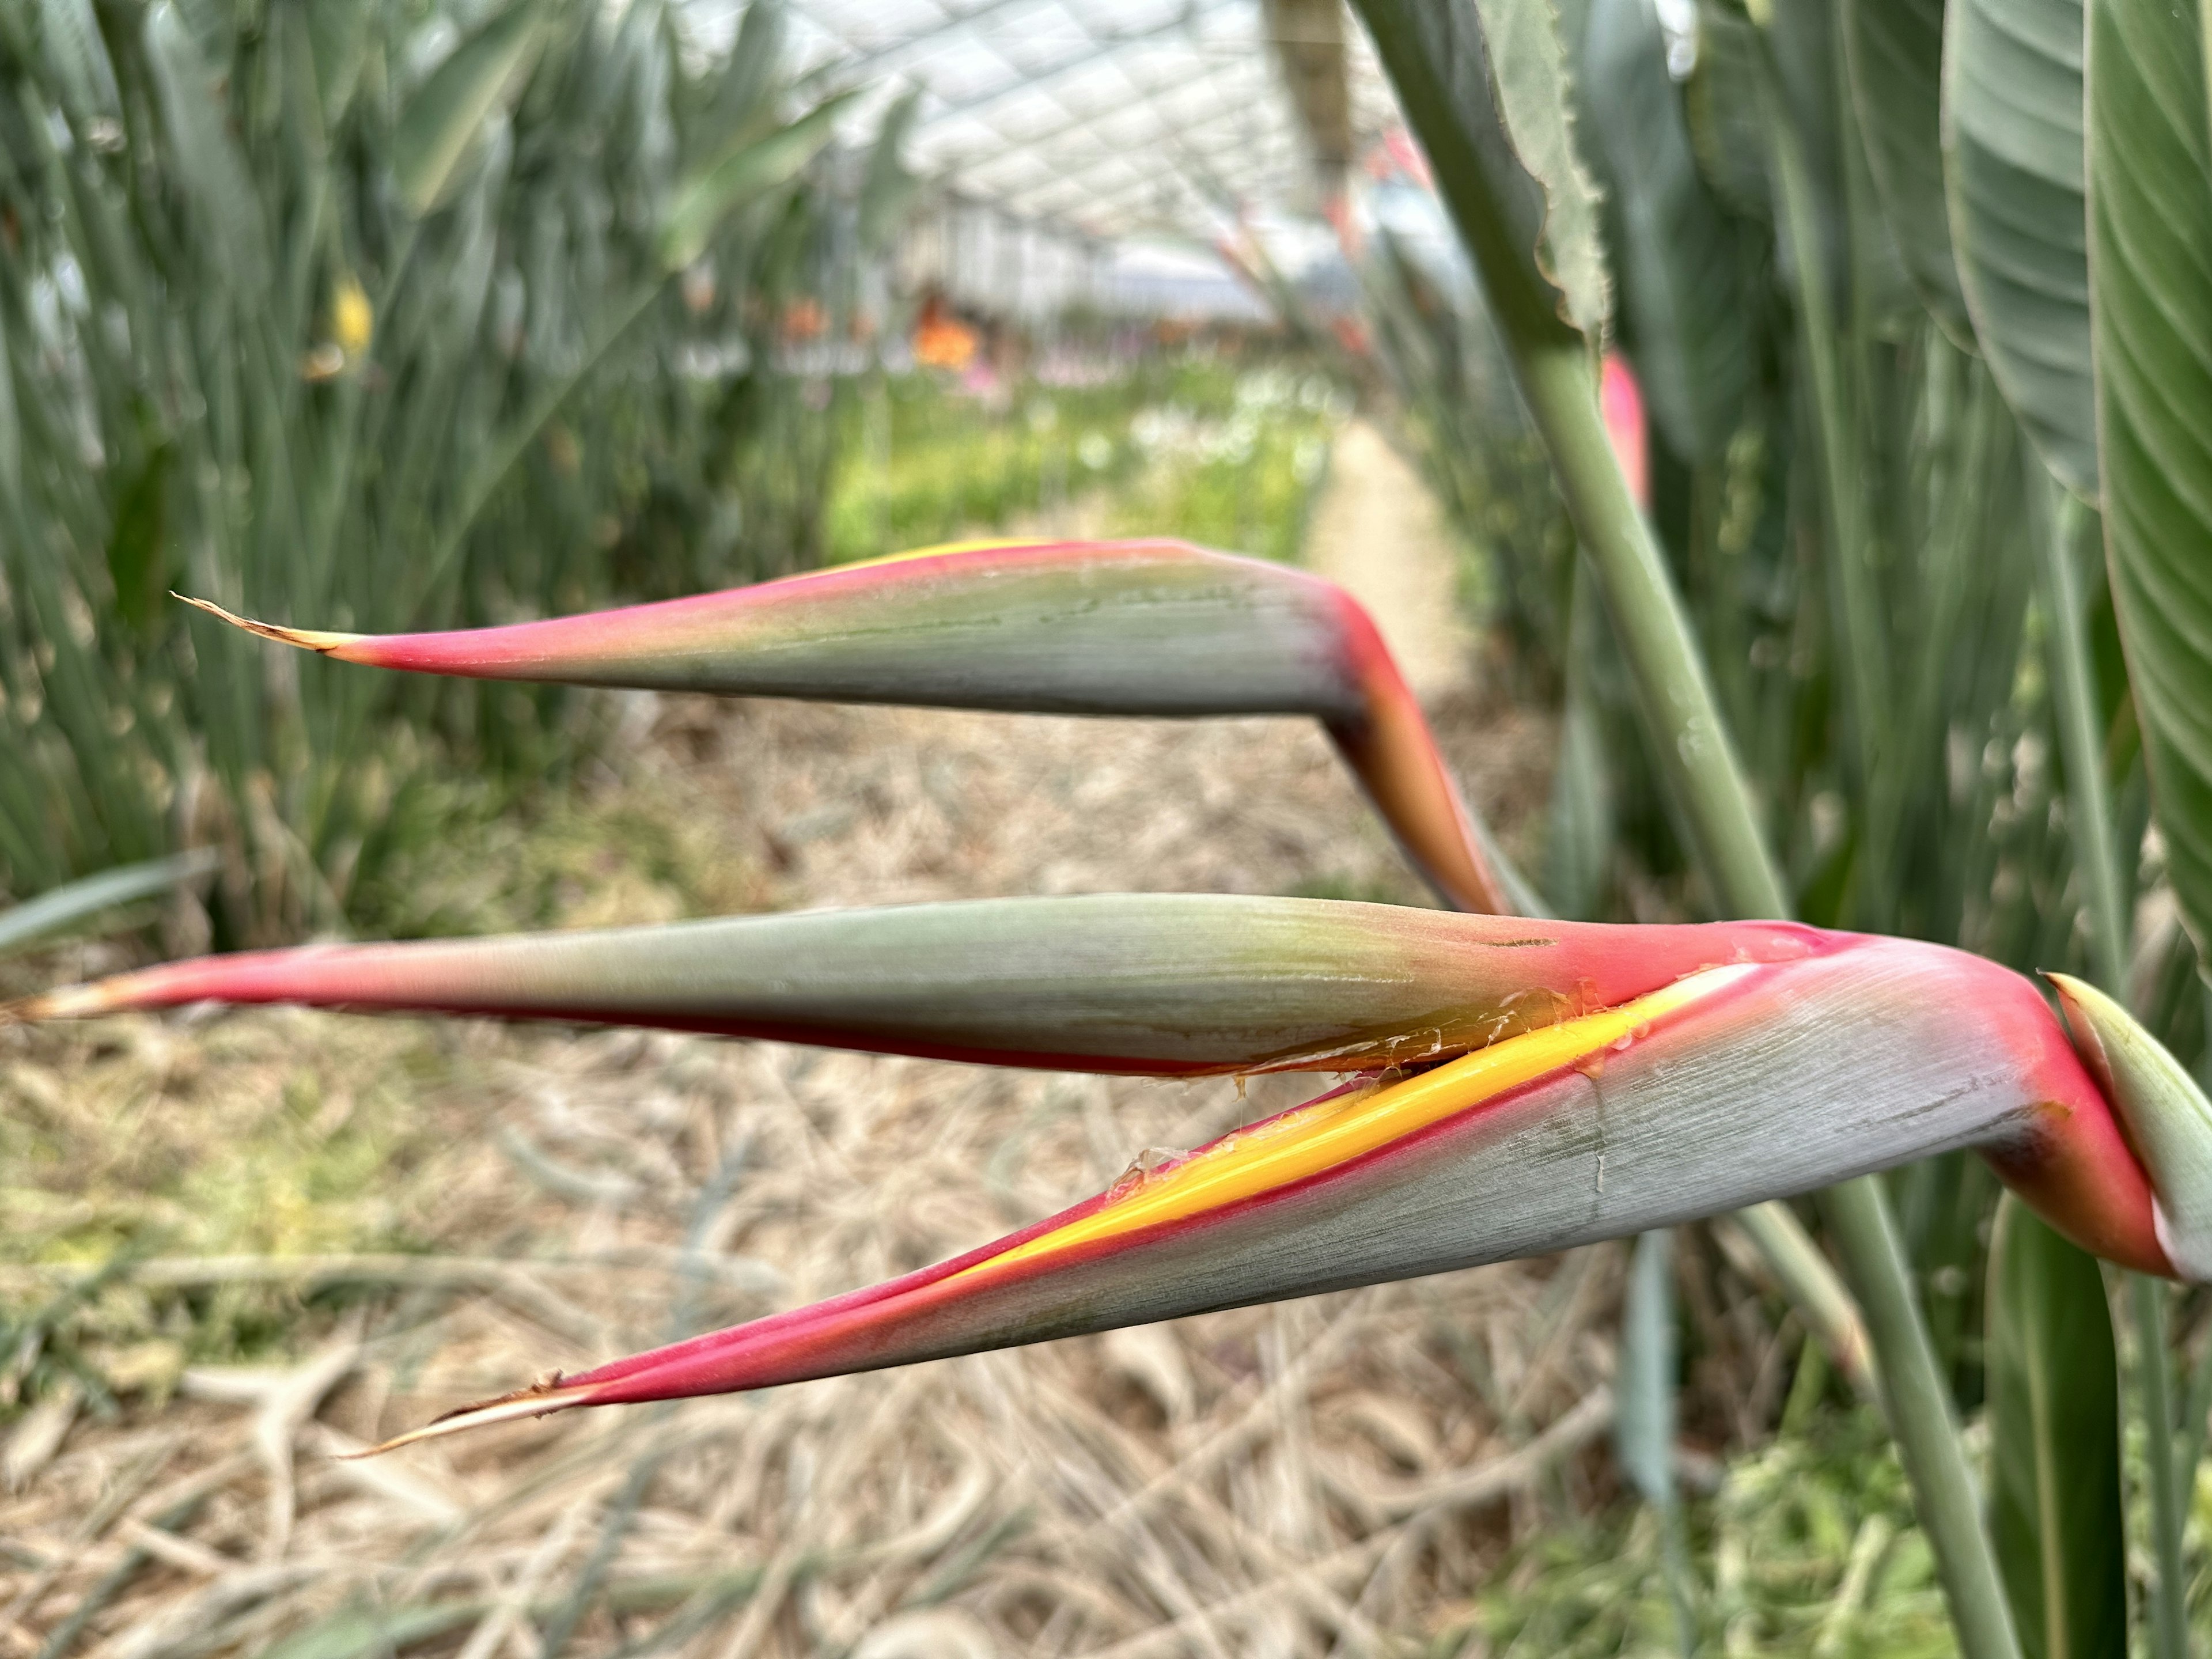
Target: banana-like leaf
<point>1085,628</point>
<point>1683,301</point>
<point>2150,227</point>
<point>744,175</point>
<point>448,109</point>
<point>1536,105</point>
<point>749,82</point>
<point>337,42</point>
<point>1504,157</point>
<point>1893,51</point>
<point>2013,156</point>
<point>2054,1444</point>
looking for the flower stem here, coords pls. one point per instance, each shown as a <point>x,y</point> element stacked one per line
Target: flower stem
<point>2105,895</point>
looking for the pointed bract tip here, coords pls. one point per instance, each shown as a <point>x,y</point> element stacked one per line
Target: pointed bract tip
<point>68,1002</point>
<point>307,639</point>
<point>540,1399</point>
<point>2165,1114</point>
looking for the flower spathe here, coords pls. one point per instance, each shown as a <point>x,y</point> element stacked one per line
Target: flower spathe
<point>1564,1083</point>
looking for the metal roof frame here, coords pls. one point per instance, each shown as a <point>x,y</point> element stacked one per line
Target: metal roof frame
<point>1129,80</point>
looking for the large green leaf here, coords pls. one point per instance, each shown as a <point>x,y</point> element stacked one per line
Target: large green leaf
<point>1528,60</point>
<point>1683,303</point>
<point>2055,1442</point>
<point>1894,52</point>
<point>2151,238</point>
<point>744,175</point>
<point>2012,142</point>
<point>338,41</point>
<point>448,109</point>
<point>1494,114</point>
<point>1720,105</point>
<point>203,154</point>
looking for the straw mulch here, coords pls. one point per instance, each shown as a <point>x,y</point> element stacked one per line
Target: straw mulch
<point>459,1208</point>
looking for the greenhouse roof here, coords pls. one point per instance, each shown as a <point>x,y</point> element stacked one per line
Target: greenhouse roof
<point>1111,117</point>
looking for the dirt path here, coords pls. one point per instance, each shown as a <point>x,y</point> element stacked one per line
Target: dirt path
<point>1378,531</point>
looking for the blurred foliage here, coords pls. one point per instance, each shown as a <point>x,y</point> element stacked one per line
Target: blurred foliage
<point>1816,1548</point>
<point>372,315</point>
<point>1241,473</point>
<point>1226,449</point>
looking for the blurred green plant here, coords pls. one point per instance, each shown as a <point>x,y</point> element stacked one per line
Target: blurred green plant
<point>1817,1555</point>
<point>378,315</point>
<point>1229,450</point>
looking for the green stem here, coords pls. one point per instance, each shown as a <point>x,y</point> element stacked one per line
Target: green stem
<point>2169,1614</point>
<point>2097,860</point>
<point>1559,385</point>
<point>1918,1403</point>
<point>2105,894</point>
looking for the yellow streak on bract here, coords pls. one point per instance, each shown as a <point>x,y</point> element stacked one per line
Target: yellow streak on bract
<point>1316,1139</point>
<point>984,544</point>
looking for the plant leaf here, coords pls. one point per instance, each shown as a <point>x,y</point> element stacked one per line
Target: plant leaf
<point>2055,1442</point>
<point>448,109</point>
<point>205,158</point>
<point>1537,106</point>
<point>52,911</point>
<point>1720,106</point>
<point>887,187</point>
<point>2013,173</point>
<point>744,175</point>
<point>1643,1387</point>
<point>2151,240</point>
<point>1451,78</point>
<point>1682,300</point>
<point>11,425</point>
<point>78,57</point>
<point>137,544</point>
<point>337,42</point>
<point>1894,52</point>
